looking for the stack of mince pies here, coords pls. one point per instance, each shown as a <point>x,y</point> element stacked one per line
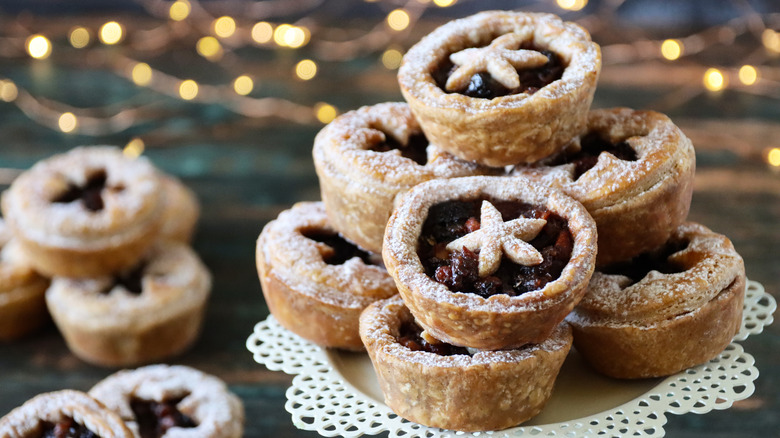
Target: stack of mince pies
<point>101,240</point>
<point>513,222</point>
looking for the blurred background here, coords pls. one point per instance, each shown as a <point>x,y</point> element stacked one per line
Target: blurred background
<point>228,95</point>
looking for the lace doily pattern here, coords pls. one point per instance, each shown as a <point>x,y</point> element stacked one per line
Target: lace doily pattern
<point>322,400</point>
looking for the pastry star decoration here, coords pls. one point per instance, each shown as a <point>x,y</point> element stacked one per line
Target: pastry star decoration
<point>499,59</point>
<point>496,237</point>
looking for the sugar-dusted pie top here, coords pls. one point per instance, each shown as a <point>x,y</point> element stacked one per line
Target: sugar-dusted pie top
<point>706,265</point>
<point>170,278</point>
<point>662,151</point>
<point>204,398</point>
<point>297,259</point>
<point>581,56</point>
<point>26,421</point>
<point>346,143</point>
<point>130,198</point>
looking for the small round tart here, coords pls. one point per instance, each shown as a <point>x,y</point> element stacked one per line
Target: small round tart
<point>314,282</point>
<point>63,413</point>
<point>87,212</point>
<point>367,157</point>
<point>149,312</point>
<point>22,306</point>
<point>546,72</point>
<point>181,210</point>
<point>665,311</point>
<point>531,271</point>
<point>172,401</point>
<point>466,390</point>
<point>633,171</point>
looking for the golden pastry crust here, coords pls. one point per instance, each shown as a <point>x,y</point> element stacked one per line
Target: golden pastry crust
<point>181,210</point>
<point>27,420</point>
<point>67,239</point>
<point>467,319</point>
<point>488,390</point>
<point>636,204</point>
<point>313,299</point>
<point>359,185</point>
<point>217,412</point>
<point>506,130</point>
<point>106,324</point>
<point>22,306</point>
<point>665,323</point>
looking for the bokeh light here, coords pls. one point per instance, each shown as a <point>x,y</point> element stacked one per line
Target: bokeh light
<point>243,85</point>
<point>398,19</point>
<point>306,69</point>
<point>180,10</point>
<point>262,32</point>
<point>141,74</point>
<point>38,47</point>
<point>325,112</point>
<point>209,47</point>
<point>224,27</point>
<point>671,49</point>
<point>188,89</point>
<point>714,79</point>
<point>748,74</point>
<point>8,91</point>
<point>79,37</point>
<point>68,122</point>
<point>572,5</point>
<point>111,33</point>
<point>134,148</point>
<point>391,58</point>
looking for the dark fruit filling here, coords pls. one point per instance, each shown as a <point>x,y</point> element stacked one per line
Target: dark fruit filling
<point>637,268</point>
<point>67,428</point>
<point>409,335</point>
<point>130,280</point>
<point>342,249</point>
<point>90,194</point>
<point>592,145</point>
<point>415,149</point>
<point>459,270</point>
<point>483,86</point>
<point>155,418</point>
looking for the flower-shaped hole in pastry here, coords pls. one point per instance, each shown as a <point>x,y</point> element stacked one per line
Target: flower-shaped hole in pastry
<point>414,147</point>
<point>335,250</point>
<point>154,418</point>
<point>591,146</point>
<point>90,193</point>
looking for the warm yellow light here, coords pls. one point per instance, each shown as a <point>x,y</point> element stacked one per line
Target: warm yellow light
<point>714,79</point>
<point>224,27</point>
<point>209,47</point>
<point>398,19</point>
<point>180,10</point>
<point>306,69</point>
<point>773,157</point>
<point>572,5</point>
<point>8,91</point>
<point>111,33</point>
<point>771,40</point>
<point>748,74</point>
<point>280,32</point>
<point>134,148</point>
<point>391,58</point>
<point>262,32</point>
<point>39,47</point>
<point>296,37</point>
<point>325,112</point>
<point>141,74</point>
<point>671,49</point>
<point>243,85</point>
<point>188,89</point>
<point>444,3</point>
<point>79,37</point>
<point>68,122</point>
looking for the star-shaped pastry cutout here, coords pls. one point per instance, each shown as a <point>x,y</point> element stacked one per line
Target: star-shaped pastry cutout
<point>501,59</point>
<point>496,237</point>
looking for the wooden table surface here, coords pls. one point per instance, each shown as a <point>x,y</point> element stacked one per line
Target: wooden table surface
<point>245,171</point>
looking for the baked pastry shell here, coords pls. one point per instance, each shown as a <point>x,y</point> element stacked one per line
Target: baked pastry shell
<point>636,204</point>
<point>181,212</point>
<point>689,317</point>
<point>500,321</point>
<point>358,185</point>
<point>490,390</point>
<point>315,300</point>
<point>506,130</point>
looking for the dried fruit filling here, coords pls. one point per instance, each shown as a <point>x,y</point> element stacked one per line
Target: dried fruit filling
<point>342,250</point>
<point>90,194</point>
<point>415,148</point>
<point>591,146</point>
<point>410,336</point>
<point>67,428</point>
<point>637,268</point>
<point>155,418</point>
<point>458,270</point>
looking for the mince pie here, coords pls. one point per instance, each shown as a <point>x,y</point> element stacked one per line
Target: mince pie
<point>489,262</point>
<point>87,212</point>
<point>502,87</point>
<point>450,387</point>
<point>67,413</point>
<point>633,171</point>
<point>664,311</point>
<point>162,401</point>
<point>145,313</point>
<point>22,306</point>
<point>315,282</point>
<point>181,210</point>
<point>365,158</point>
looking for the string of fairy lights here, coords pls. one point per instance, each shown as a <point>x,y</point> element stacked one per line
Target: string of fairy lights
<point>216,35</point>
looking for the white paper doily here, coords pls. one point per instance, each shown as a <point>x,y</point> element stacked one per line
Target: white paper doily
<point>335,393</point>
